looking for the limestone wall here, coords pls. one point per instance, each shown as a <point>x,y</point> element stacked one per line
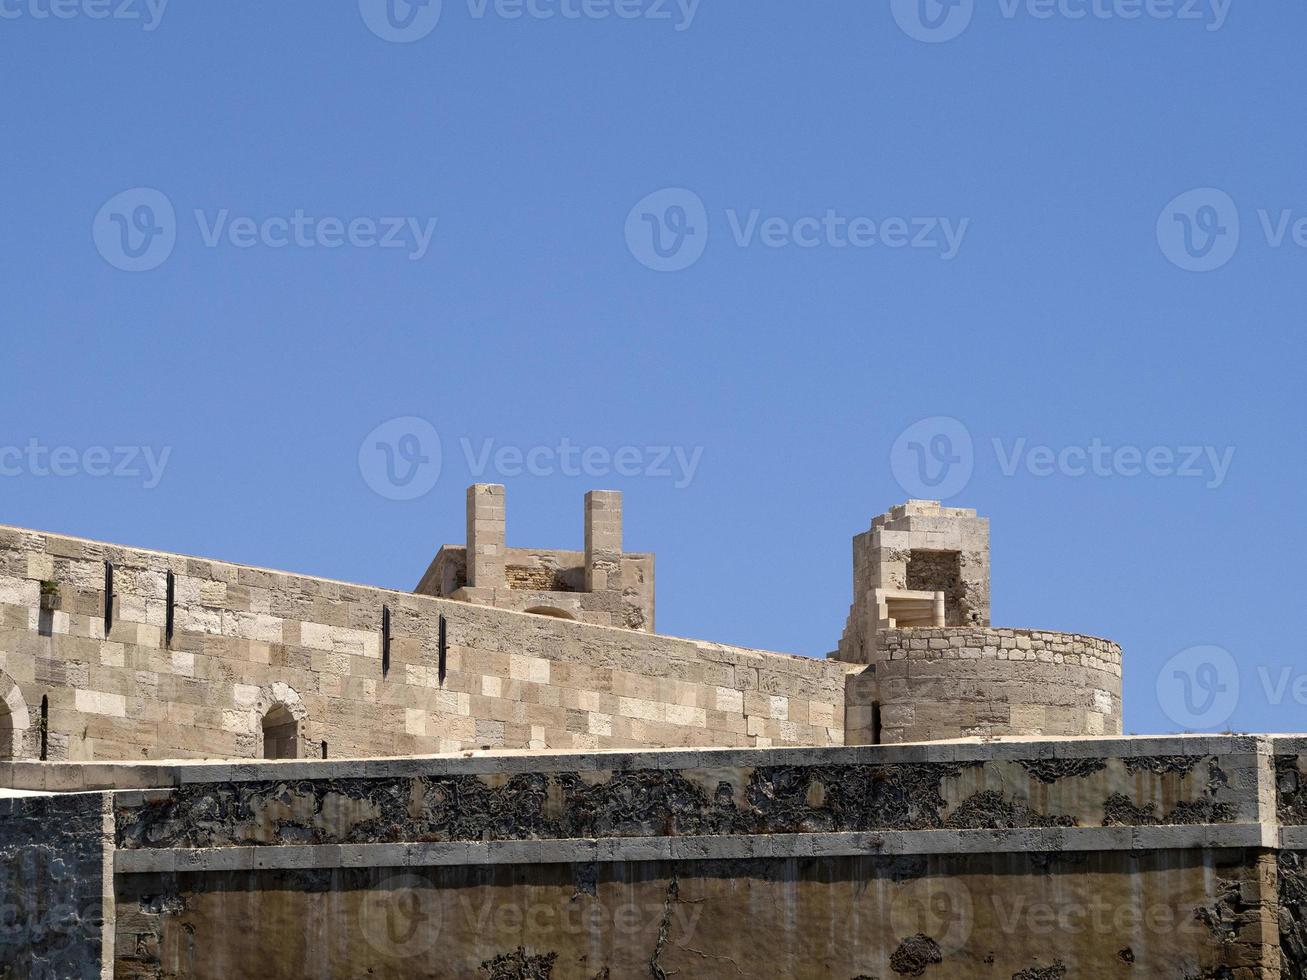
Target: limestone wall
<point>975,681</point>
<point>536,578</point>
<point>245,640</point>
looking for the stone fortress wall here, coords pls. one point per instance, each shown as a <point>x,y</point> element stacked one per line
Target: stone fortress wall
<point>675,807</point>
<point>117,653</point>
<point>126,672</point>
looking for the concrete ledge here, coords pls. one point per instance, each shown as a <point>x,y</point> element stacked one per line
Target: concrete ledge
<point>730,847</point>
<point>79,777</point>
<point>1293,839</point>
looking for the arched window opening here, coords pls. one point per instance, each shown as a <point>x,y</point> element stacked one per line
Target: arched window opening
<point>280,734</point>
<point>551,611</point>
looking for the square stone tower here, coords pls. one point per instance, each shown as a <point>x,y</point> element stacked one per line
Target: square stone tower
<point>919,565</point>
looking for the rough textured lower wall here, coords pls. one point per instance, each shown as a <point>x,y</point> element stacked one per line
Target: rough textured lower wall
<point>953,683</point>
<point>52,881</point>
<point>245,640</point>
<point>1291,800</point>
<point>1113,784</point>
<point>950,917</point>
<point>1173,858</point>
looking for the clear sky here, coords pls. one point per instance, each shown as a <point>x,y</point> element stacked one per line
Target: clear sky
<point>738,252</point>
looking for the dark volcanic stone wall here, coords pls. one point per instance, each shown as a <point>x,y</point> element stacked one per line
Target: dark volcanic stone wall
<point>51,882</point>
<point>779,799</point>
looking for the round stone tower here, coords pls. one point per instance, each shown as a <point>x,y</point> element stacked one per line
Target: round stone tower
<point>930,666</point>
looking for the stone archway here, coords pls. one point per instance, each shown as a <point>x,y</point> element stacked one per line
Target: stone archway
<point>279,715</point>
<point>16,733</point>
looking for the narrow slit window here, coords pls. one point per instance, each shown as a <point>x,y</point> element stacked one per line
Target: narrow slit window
<point>385,640</point>
<point>444,650</point>
<point>108,597</point>
<point>324,750</point>
<point>44,727</point>
<point>170,615</point>
<point>875,723</point>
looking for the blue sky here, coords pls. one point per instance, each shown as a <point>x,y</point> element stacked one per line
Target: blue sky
<point>737,252</point>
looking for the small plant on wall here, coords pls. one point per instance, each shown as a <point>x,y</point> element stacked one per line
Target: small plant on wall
<point>49,595</point>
